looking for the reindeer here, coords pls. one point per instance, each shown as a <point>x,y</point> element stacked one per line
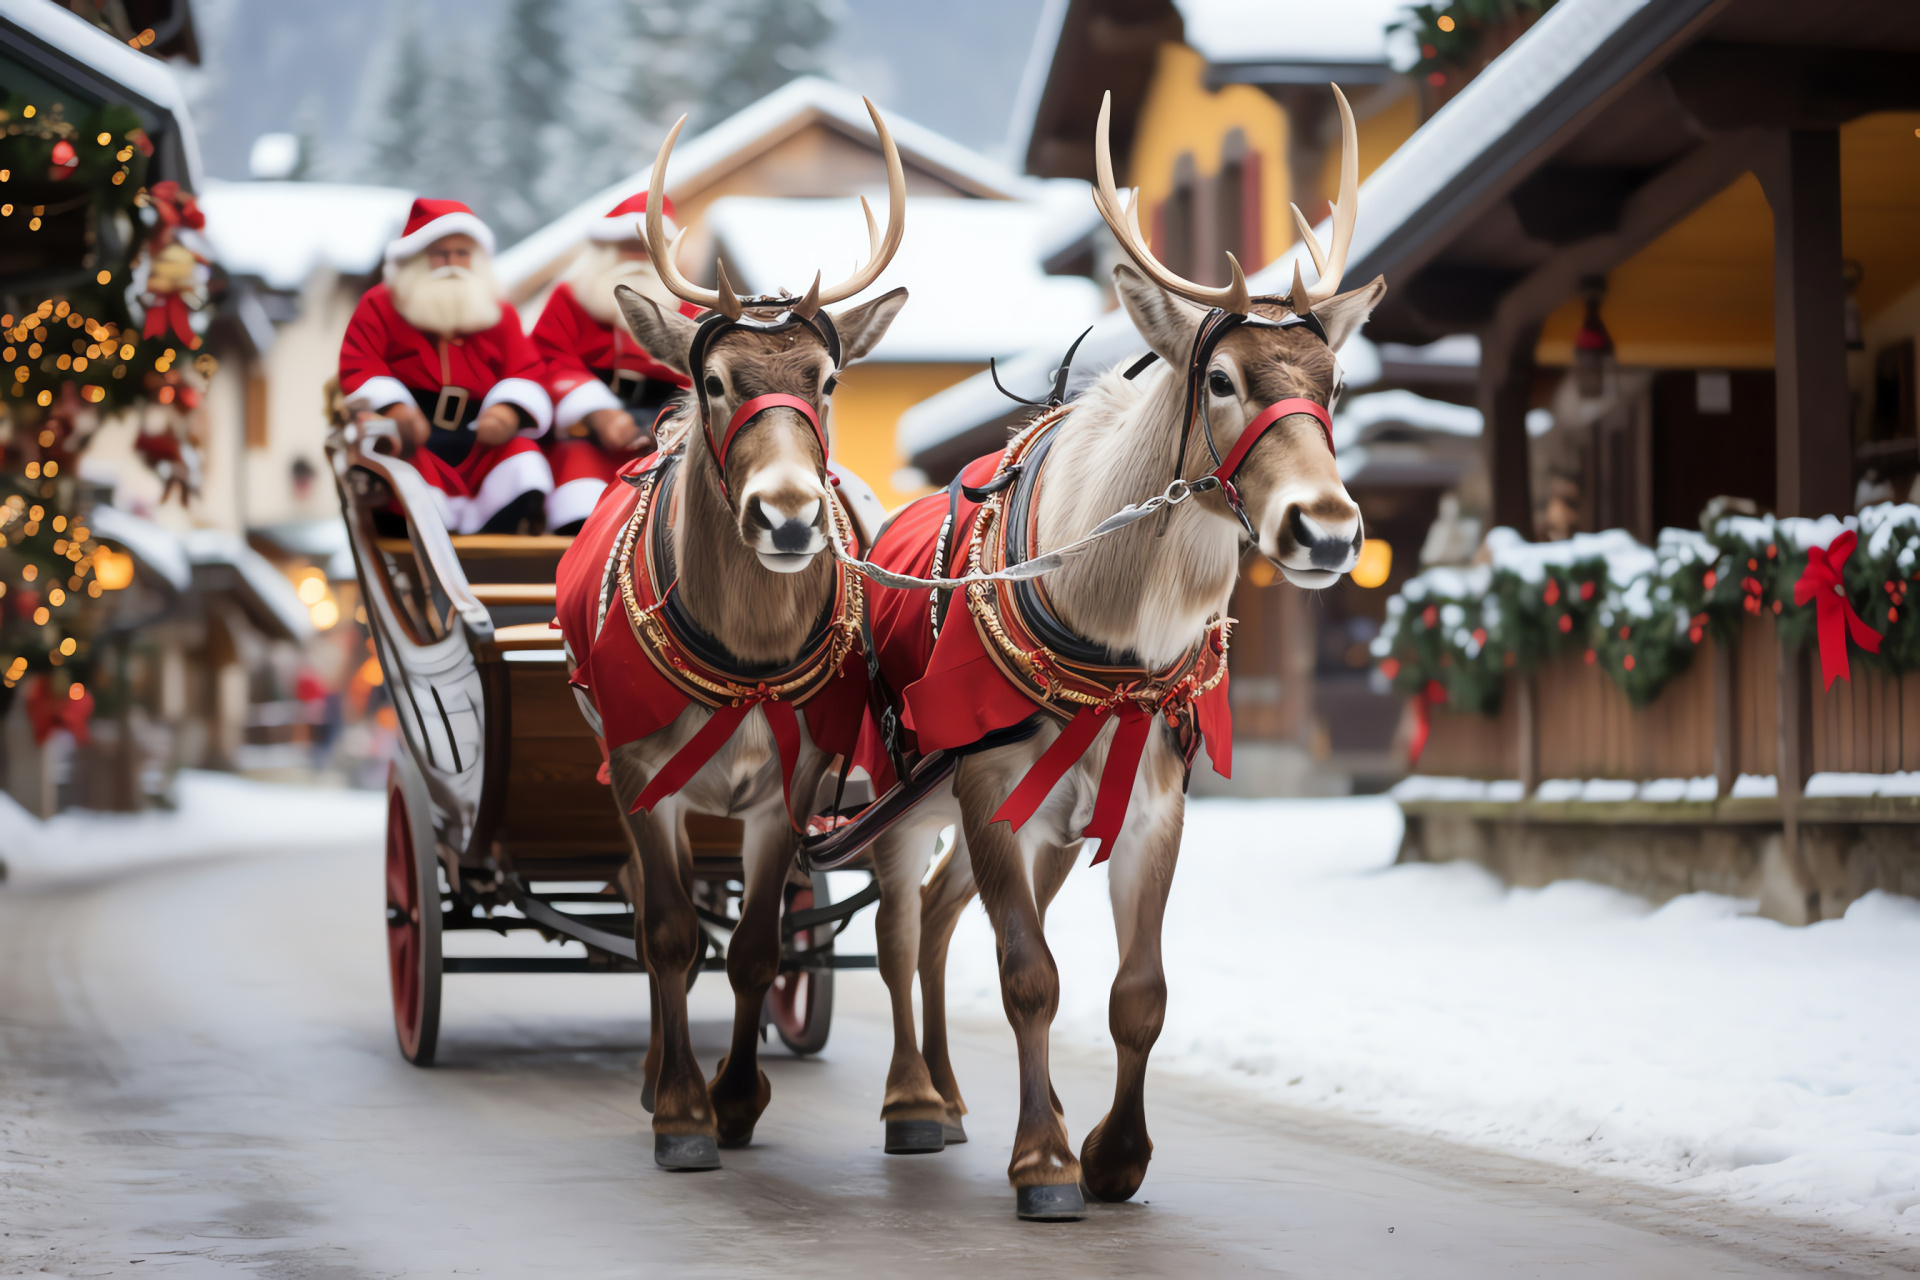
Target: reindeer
<point>693,606</point>
<point>1252,378</point>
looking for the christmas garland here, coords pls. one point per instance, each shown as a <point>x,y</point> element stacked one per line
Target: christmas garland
<point>1451,635</point>
<point>112,331</point>
<point>1451,35</point>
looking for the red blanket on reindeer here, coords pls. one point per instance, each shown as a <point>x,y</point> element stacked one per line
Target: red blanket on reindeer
<point>641,671</point>
<point>978,668</point>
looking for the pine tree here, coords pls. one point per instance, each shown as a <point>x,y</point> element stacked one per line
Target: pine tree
<point>534,114</point>
<point>709,58</point>
<point>397,132</point>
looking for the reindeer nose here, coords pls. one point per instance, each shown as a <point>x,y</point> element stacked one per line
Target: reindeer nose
<point>1325,550</point>
<point>791,534</point>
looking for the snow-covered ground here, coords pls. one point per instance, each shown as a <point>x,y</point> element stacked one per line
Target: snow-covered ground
<point>1694,1044</point>
<point>214,814</point>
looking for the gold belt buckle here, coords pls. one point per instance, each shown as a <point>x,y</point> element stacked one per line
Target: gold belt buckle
<point>450,408</point>
<point>625,381</point>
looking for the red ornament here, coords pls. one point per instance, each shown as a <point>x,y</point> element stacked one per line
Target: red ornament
<point>1627,662</point>
<point>1710,579</point>
<point>1566,623</point>
<point>1586,591</point>
<point>65,160</point>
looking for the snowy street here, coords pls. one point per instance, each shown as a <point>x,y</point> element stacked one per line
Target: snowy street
<point>199,1074</point>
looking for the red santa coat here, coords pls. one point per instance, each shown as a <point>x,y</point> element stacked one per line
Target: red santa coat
<point>583,361</point>
<point>384,359</point>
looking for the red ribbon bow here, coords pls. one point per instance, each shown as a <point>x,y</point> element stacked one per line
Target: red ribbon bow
<point>175,207</point>
<point>46,712</point>
<point>168,310</point>
<point>715,734</point>
<point>1835,617</point>
<point>1116,779</point>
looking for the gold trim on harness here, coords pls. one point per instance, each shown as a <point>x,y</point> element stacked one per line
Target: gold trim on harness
<point>1049,680</point>
<point>713,688</point>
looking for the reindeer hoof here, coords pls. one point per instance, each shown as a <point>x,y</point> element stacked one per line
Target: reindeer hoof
<point>1059,1203</point>
<point>914,1137</point>
<point>952,1131</point>
<point>646,1097</point>
<point>685,1152</point>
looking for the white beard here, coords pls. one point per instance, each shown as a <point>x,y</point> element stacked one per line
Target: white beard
<point>600,267</point>
<point>445,299</point>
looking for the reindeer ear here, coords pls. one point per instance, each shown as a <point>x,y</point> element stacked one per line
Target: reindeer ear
<point>1343,314</point>
<point>666,335</point>
<point>1166,322</point>
<point>862,327</point>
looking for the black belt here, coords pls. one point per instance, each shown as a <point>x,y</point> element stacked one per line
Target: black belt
<point>450,415</point>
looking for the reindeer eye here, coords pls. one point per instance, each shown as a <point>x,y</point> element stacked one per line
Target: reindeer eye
<point>714,387</point>
<point>833,380</point>
<point>1219,383</point>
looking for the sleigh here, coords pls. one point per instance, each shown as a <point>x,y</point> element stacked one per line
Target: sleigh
<point>497,820</point>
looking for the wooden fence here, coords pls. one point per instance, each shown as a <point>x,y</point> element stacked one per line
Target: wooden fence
<point>1722,717</point>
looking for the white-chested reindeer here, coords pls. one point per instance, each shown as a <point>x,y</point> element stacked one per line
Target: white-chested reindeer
<point>1125,661</point>
<point>699,612</point>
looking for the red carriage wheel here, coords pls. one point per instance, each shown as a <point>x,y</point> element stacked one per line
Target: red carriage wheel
<point>413,936</point>
<point>800,1003</point>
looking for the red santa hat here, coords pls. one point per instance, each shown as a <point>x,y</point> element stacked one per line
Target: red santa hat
<point>620,222</point>
<point>431,219</point>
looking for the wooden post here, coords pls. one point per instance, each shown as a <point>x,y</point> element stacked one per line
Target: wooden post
<point>1506,388</point>
<point>1814,446</point>
<point>1726,718</point>
<point>1527,712</point>
<point>1795,767</point>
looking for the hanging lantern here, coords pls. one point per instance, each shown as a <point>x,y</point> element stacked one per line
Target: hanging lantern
<point>1592,350</point>
<point>1850,273</point>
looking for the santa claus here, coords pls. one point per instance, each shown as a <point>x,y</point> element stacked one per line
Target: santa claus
<point>606,389</point>
<point>437,349</point>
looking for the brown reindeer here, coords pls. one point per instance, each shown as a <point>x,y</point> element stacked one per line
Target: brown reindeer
<point>1145,599</point>
<point>701,589</point>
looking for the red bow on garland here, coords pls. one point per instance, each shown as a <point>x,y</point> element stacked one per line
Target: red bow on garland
<point>45,713</point>
<point>176,208</point>
<point>168,311</point>
<point>1835,618</point>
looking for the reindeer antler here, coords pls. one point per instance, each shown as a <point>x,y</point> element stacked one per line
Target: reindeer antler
<point>1124,220</point>
<point>723,299</point>
<point>1331,263</point>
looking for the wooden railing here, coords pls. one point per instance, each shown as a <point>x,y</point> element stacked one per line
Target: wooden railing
<point>1740,708</point>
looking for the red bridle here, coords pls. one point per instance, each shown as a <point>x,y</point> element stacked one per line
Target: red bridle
<point>1260,425</point>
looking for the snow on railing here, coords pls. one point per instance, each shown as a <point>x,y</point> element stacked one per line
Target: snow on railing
<point>1452,634</point>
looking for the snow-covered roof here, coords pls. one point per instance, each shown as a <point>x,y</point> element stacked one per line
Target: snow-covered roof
<point>265,586</point>
<point>1291,31</point>
<point>754,128</point>
<point>1520,92</point>
<point>971,268</point>
<point>88,45</point>
<point>1576,51</point>
<point>1358,414</point>
<point>284,231</point>
<point>148,543</point>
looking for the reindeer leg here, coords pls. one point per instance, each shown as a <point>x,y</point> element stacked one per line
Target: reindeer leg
<point>669,936</point>
<point>1044,1172</point>
<point>740,1089</point>
<point>1115,1154</point>
<point>941,902</point>
<point>630,880</point>
<point>913,1110</point>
